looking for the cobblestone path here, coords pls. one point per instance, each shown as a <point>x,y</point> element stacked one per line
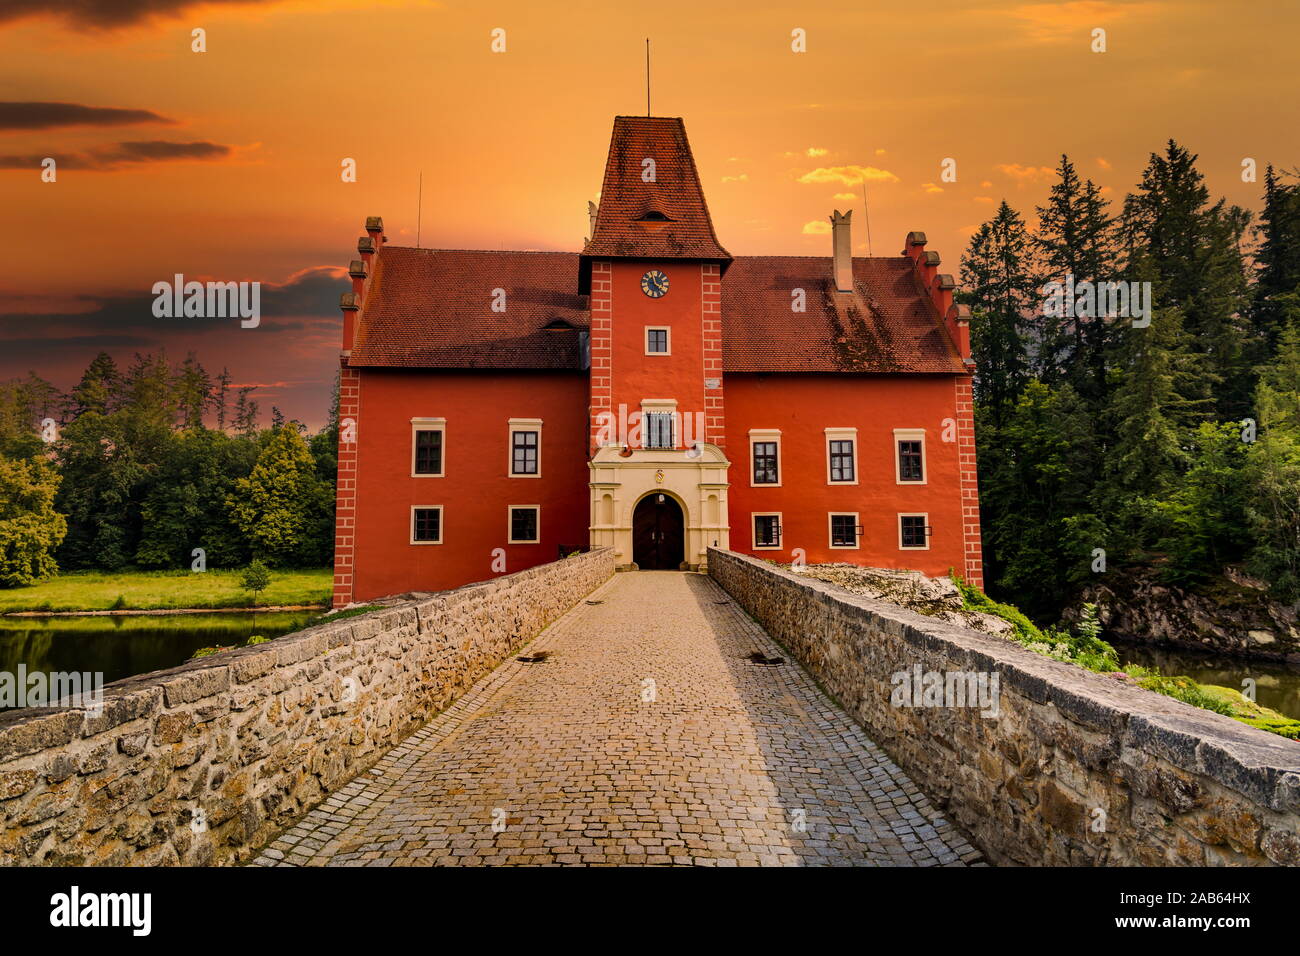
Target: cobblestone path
<point>647,736</point>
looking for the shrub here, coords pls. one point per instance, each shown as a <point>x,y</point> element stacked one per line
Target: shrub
<point>255,578</point>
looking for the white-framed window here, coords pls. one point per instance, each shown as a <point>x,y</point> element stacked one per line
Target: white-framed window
<point>844,529</point>
<point>426,524</point>
<point>765,457</point>
<point>841,456</point>
<point>428,447</point>
<point>525,448</point>
<point>525,524</point>
<point>658,340</point>
<point>659,423</point>
<point>909,456</point>
<point>914,532</point>
<point>766,528</point>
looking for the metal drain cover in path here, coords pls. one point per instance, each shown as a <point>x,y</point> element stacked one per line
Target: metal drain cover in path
<point>758,657</point>
<point>539,658</point>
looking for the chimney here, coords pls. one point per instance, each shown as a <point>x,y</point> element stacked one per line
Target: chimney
<point>375,229</point>
<point>592,209</point>
<point>842,250</point>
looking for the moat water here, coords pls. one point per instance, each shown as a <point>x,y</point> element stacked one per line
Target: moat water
<point>1277,685</point>
<point>126,645</point>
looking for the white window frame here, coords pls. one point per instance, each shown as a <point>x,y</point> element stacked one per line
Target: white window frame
<point>442,523</point>
<point>910,434</point>
<point>510,524</point>
<point>429,425</point>
<point>780,523</point>
<point>898,521</point>
<point>766,435</point>
<point>668,339</point>
<point>830,531</point>
<point>841,434</point>
<point>660,406</point>
<point>522,425</point>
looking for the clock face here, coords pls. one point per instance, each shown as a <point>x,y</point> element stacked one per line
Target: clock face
<point>654,283</point>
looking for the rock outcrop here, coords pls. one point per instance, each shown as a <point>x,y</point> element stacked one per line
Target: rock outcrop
<point>1230,615</point>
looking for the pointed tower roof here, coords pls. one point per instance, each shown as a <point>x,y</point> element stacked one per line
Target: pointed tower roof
<point>651,202</point>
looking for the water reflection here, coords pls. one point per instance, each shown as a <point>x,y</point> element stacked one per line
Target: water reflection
<point>1276,685</point>
<point>126,645</point>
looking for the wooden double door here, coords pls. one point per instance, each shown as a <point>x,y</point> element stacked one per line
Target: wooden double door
<point>658,534</point>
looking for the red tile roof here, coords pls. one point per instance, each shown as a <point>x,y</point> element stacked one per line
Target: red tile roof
<point>432,308</point>
<point>888,325</point>
<point>664,219</point>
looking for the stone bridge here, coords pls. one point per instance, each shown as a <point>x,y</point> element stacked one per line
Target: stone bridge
<point>568,715</point>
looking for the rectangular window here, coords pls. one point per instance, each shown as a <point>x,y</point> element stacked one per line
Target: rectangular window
<point>428,451</point>
<point>841,452</point>
<point>523,452</point>
<point>426,525</point>
<point>913,532</point>
<point>656,341</point>
<point>844,531</point>
<point>767,531</point>
<point>765,463</point>
<point>658,430</point>
<point>524,524</point>
<point>909,461</point>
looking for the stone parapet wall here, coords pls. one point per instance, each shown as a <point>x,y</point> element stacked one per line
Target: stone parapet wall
<point>1076,768</point>
<point>203,763</point>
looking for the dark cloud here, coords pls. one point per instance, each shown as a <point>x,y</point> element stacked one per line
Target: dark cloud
<point>307,301</point>
<point>106,14</point>
<point>290,358</point>
<point>108,158</point>
<point>25,116</point>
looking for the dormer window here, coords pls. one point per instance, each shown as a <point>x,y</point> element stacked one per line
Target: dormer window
<point>653,215</point>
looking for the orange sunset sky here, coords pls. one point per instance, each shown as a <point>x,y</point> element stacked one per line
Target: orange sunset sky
<point>512,145</point>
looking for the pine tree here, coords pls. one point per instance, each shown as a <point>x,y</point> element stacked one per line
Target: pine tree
<point>1075,236</point>
<point>1002,291</point>
<point>1158,402</point>
<point>1273,467</point>
<point>193,390</point>
<point>1036,479</point>
<point>100,388</point>
<point>223,385</point>
<point>1194,249</point>
<point>1277,259</point>
<point>245,422</point>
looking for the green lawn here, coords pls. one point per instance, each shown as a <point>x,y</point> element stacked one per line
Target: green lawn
<point>158,590</point>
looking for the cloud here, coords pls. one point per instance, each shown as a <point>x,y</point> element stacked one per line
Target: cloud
<point>38,115</point>
<point>983,199</point>
<point>107,14</point>
<point>816,151</point>
<point>848,175</point>
<point>1103,162</point>
<point>128,320</point>
<point>742,178</point>
<point>1058,22</point>
<point>108,158</point>
<point>847,197</point>
<point>931,188</point>
<point>1026,174</point>
<point>818,227</point>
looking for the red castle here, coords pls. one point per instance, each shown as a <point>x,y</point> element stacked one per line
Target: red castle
<point>652,394</point>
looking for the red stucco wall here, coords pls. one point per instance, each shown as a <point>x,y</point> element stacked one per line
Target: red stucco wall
<point>477,489</point>
<point>802,406</point>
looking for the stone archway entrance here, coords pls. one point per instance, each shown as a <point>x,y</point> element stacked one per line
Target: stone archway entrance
<point>658,533</point>
<point>695,481</point>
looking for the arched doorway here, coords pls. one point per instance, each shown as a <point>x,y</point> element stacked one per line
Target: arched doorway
<point>658,533</point>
